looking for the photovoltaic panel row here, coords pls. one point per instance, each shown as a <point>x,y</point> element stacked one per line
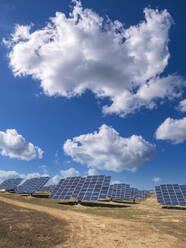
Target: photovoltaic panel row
<point>48,188</point>
<point>171,194</point>
<point>94,188</point>
<point>32,185</point>
<point>146,193</point>
<point>66,187</point>
<point>138,194</point>
<point>90,188</point>
<point>124,192</point>
<point>120,191</point>
<point>10,184</point>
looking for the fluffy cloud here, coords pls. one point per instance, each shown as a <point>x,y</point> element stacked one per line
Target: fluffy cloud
<point>92,172</point>
<point>14,145</point>
<point>7,175</point>
<point>54,180</point>
<point>182,106</point>
<point>173,130</point>
<point>44,168</point>
<point>156,179</point>
<point>83,51</point>
<point>4,175</point>
<point>116,182</point>
<point>106,150</point>
<point>71,172</point>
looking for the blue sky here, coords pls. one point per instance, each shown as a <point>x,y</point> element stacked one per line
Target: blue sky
<point>112,92</point>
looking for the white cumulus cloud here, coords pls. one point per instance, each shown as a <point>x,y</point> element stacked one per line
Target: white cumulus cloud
<point>106,150</point>
<point>14,145</point>
<point>4,175</point>
<point>54,180</point>
<point>156,179</point>
<point>82,51</point>
<point>71,172</point>
<point>172,130</point>
<point>116,182</point>
<point>182,106</point>
<point>44,168</point>
<point>92,172</point>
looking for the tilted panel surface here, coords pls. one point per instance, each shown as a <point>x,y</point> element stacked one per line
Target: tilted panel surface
<point>94,188</point>
<point>32,185</point>
<point>10,184</point>
<point>88,188</point>
<point>48,188</point>
<point>67,188</point>
<point>136,193</point>
<point>120,191</point>
<point>171,194</point>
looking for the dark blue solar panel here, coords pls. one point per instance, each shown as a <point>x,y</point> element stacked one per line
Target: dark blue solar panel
<point>10,184</point>
<point>124,192</point>
<point>67,188</point>
<point>32,185</point>
<point>136,193</point>
<point>171,194</point>
<point>88,188</point>
<point>48,188</point>
<point>120,191</point>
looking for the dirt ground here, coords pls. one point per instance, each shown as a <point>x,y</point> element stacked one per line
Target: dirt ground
<point>25,228</point>
<point>154,227</point>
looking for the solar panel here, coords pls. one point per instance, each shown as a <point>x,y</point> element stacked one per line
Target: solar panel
<point>90,188</point>
<point>120,191</point>
<point>10,184</point>
<point>66,187</point>
<point>138,194</point>
<point>94,188</point>
<point>171,194</point>
<point>32,185</point>
<point>48,188</point>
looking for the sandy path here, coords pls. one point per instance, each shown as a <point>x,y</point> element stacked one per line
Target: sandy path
<point>88,231</point>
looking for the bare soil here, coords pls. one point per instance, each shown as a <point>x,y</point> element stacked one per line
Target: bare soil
<point>142,225</point>
<point>25,228</point>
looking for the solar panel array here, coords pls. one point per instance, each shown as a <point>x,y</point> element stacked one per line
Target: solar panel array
<point>120,191</point>
<point>171,194</point>
<point>125,192</point>
<point>90,188</point>
<point>48,188</point>
<point>138,194</point>
<point>32,185</point>
<point>10,184</point>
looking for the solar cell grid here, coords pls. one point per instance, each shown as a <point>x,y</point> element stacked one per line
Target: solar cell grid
<point>10,184</point>
<point>32,185</point>
<point>48,188</point>
<point>120,191</point>
<point>83,188</point>
<point>171,194</point>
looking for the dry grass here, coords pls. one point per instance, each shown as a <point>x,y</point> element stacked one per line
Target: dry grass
<point>25,228</point>
<point>116,210</point>
<point>147,217</point>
